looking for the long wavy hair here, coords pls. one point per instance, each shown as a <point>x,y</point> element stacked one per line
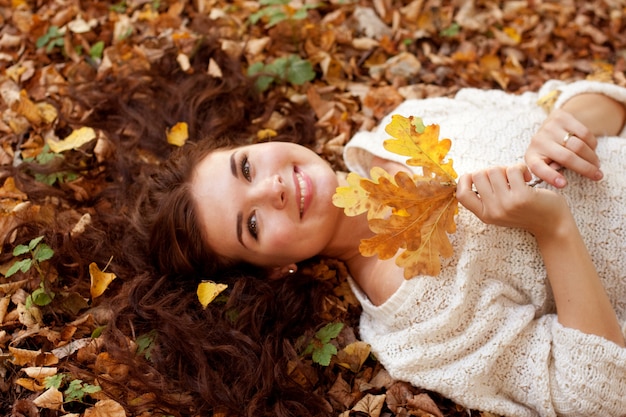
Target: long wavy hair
<point>233,356</point>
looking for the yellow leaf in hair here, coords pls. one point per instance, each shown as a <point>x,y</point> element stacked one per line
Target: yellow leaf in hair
<point>75,140</point>
<point>266,134</point>
<point>99,280</point>
<point>208,291</point>
<point>178,134</point>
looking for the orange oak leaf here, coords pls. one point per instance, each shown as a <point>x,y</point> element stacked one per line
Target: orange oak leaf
<point>409,213</point>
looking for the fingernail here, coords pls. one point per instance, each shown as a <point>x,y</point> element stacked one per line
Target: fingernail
<point>560,182</point>
<point>598,175</point>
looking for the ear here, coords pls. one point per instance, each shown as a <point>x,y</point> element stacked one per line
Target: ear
<point>283,271</point>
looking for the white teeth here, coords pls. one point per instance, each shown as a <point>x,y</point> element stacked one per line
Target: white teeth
<point>302,184</point>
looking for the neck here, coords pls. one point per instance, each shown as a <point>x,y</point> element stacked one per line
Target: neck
<point>348,235</point>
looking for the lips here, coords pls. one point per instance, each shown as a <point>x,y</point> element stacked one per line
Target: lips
<point>303,190</point>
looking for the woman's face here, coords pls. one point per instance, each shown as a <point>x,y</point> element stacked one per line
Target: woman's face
<point>267,204</point>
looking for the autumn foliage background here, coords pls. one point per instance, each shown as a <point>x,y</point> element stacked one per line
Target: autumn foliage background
<point>351,61</point>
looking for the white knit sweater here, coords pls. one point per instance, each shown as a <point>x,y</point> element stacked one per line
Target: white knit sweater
<point>484,332</point>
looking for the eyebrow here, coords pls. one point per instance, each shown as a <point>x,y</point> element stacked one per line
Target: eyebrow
<point>240,228</point>
<point>233,169</point>
<point>233,164</point>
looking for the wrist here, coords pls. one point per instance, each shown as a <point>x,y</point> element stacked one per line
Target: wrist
<point>556,229</point>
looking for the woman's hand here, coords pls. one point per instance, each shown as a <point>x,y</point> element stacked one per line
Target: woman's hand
<point>580,120</point>
<point>501,196</point>
<point>563,141</point>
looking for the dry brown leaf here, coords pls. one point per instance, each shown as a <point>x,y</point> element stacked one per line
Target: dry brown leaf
<point>30,384</point>
<point>341,393</point>
<point>23,357</point>
<point>353,356</point>
<point>371,404</point>
<point>106,408</point>
<point>52,399</point>
<point>422,402</point>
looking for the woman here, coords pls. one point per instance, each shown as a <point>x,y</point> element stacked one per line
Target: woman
<point>499,330</point>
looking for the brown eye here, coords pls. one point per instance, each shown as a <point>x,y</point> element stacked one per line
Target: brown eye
<point>245,168</point>
<point>252,226</point>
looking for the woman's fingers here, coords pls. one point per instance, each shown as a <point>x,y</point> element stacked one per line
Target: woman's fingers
<point>562,141</point>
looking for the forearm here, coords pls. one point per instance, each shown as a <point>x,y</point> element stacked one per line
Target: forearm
<point>581,299</point>
<point>602,115</point>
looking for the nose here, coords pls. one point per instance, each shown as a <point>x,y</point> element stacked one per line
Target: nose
<point>272,190</point>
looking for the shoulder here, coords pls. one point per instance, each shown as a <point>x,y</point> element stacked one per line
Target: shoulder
<point>377,279</point>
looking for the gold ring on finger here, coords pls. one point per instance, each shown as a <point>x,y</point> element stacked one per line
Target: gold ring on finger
<point>566,138</point>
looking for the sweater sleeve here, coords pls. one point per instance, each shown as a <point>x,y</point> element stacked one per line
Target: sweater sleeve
<point>488,350</point>
<point>568,90</point>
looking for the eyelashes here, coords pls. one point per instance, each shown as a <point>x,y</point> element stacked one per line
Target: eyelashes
<point>252,226</point>
<point>244,166</point>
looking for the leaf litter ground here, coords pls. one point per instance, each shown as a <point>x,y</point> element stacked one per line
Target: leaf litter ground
<point>365,58</point>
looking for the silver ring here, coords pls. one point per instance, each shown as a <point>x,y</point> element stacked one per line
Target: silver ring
<point>566,138</point>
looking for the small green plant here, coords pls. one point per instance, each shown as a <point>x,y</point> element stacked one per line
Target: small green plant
<point>276,11</point>
<point>145,343</point>
<point>96,50</point>
<point>75,389</point>
<point>52,39</point>
<point>320,348</point>
<point>119,7</point>
<point>291,69</point>
<point>37,252</point>
<point>451,31</point>
<point>44,157</point>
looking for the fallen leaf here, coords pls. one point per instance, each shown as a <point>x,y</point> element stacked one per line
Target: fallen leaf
<point>178,134</point>
<point>341,393</point>
<point>99,280</point>
<point>106,408</point>
<point>75,140</point>
<point>9,190</point>
<point>23,357</point>
<point>371,404</point>
<point>208,290</point>
<point>423,402</point>
<point>29,384</point>
<point>39,372</point>
<point>51,399</point>
<point>353,356</point>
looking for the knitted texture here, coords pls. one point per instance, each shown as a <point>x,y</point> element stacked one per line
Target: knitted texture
<point>484,332</point>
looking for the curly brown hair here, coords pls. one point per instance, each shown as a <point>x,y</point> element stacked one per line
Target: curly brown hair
<point>233,356</point>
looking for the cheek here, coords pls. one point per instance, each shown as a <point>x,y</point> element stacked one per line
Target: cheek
<point>281,235</point>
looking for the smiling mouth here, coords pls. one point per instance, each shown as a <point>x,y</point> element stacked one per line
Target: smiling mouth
<point>302,189</point>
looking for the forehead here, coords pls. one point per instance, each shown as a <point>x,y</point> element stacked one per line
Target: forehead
<point>213,188</point>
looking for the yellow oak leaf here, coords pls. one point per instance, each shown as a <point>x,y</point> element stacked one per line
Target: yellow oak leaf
<point>412,214</point>
<point>424,148</point>
<point>355,200</point>
<point>208,290</point>
<point>99,280</point>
